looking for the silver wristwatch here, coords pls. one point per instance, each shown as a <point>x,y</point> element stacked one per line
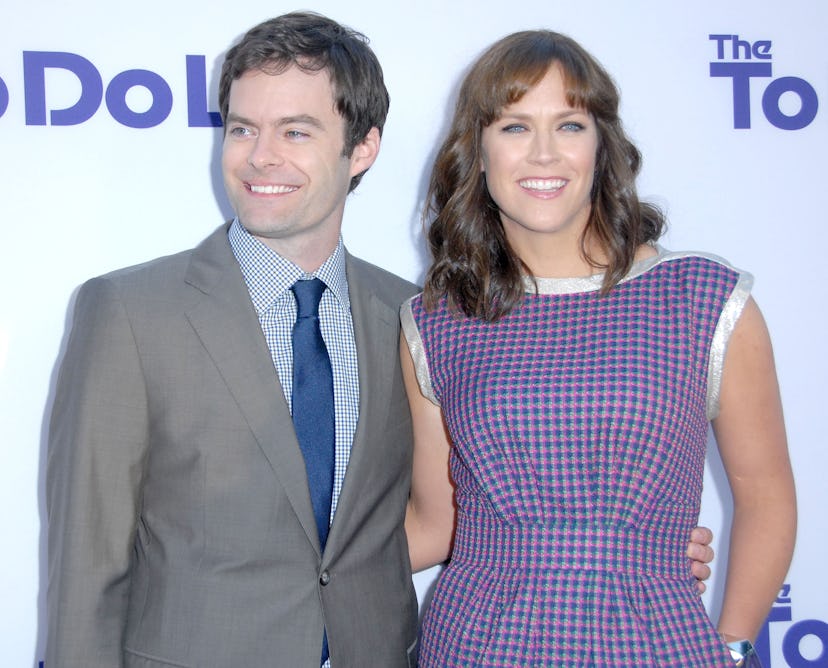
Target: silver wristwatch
<point>740,650</point>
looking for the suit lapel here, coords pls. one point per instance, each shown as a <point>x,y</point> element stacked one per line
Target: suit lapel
<point>226,323</point>
<point>376,332</point>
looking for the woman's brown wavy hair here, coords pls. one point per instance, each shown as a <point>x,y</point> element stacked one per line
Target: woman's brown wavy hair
<point>474,265</point>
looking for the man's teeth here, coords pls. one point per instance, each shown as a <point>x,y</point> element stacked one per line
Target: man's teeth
<point>272,190</point>
<point>542,184</point>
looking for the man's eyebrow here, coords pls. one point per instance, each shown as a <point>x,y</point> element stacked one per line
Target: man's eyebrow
<point>236,118</point>
<point>304,119</point>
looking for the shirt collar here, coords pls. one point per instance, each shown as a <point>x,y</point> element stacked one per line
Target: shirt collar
<point>269,275</point>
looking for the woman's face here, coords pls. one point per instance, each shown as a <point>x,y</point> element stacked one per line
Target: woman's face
<point>539,162</point>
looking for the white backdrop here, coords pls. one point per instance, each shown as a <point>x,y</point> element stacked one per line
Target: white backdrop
<point>83,198</point>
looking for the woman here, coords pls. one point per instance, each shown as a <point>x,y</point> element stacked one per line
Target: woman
<point>568,368</point>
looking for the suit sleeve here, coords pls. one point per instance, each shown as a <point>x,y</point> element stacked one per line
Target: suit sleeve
<point>98,441</point>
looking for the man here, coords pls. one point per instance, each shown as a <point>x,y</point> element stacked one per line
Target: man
<point>182,527</point>
<point>192,521</point>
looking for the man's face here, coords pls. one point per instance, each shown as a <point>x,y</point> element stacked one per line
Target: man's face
<point>282,161</point>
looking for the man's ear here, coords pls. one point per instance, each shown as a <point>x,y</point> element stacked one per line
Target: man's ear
<point>364,153</point>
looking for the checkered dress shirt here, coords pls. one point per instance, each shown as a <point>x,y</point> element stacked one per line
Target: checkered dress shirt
<point>269,277</point>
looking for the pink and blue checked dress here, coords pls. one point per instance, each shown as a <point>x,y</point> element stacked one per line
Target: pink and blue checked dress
<point>579,426</point>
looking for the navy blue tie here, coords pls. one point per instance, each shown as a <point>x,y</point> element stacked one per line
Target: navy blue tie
<point>313,407</point>
<point>313,402</point>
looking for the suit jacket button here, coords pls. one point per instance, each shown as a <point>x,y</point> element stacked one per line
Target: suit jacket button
<point>324,578</point>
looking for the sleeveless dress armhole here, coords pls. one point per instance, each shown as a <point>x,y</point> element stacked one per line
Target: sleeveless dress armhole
<point>417,350</point>
<point>718,349</point>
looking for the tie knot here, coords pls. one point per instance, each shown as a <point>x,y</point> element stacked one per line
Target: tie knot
<point>308,294</point>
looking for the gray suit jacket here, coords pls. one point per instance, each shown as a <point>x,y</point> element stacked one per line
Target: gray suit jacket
<point>181,531</point>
